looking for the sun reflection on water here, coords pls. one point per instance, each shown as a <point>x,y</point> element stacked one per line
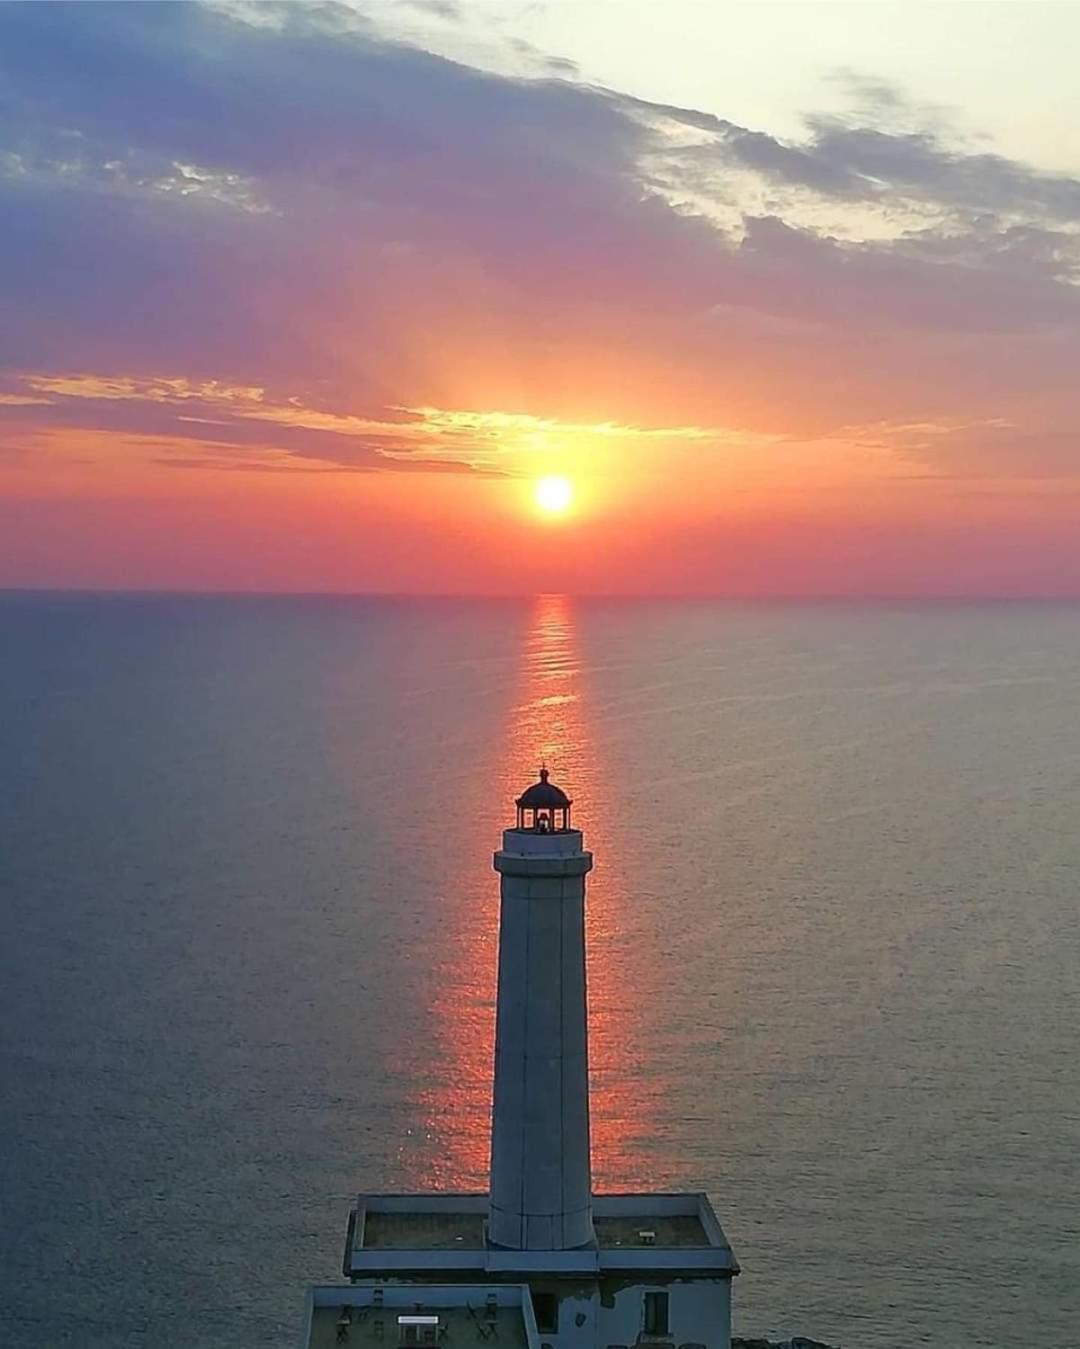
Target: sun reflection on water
<point>548,724</point>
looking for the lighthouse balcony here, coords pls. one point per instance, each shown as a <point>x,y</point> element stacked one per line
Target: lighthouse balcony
<point>534,843</point>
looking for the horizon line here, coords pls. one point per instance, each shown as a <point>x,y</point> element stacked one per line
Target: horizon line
<point>830,597</point>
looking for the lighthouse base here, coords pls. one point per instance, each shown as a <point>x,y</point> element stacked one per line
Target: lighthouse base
<point>660,1270</point>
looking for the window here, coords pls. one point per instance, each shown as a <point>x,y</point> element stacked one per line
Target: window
<point>418,1330</point>
<point>546,1307</point>
<point>656,1314</point>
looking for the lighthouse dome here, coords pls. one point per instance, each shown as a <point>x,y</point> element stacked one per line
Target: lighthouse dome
<point>543,795</point>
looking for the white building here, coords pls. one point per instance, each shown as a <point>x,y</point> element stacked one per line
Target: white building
<point>540,1262</point>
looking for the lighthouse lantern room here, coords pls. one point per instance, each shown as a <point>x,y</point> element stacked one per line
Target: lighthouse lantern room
<point>543,807</point>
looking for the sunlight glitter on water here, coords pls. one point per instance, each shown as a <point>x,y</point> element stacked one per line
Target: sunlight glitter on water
<point>548,725</point>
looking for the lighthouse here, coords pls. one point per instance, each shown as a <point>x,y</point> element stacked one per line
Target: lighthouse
<point>541,1260</point>
<point>541,1180</point>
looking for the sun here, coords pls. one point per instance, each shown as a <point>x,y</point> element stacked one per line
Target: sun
<point>554,495</point>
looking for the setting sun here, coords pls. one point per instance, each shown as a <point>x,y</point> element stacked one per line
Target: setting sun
<point>553,495</point>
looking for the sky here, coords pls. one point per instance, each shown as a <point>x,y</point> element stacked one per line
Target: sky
<point>309,297</point>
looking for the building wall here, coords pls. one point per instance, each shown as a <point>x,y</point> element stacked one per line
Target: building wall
<point>699,1313</point>
<point>612,1310</point>
<point>613,1313</point>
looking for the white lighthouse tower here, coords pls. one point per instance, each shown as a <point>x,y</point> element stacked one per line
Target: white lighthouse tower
<point>541,1181</point>
<point>541,1261</point>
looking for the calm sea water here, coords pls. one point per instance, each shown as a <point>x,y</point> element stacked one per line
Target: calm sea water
<point>247,944</point>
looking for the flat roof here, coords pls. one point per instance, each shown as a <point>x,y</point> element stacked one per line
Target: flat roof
<point>378,1328</point>
<point>680,1229</point>
<point>414,1236</point>
<point>419,1231</point>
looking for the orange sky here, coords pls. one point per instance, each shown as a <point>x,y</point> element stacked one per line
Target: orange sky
<point>333,345</point>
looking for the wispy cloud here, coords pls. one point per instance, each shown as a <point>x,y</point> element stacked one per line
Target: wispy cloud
<point>484,441</point>
<point>76,167</point>
<point>109,388</point>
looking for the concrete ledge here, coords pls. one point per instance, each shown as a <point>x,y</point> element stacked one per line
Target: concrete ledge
<point>674,1259</point>
<point>582,1262</point>
<point>516,864</point>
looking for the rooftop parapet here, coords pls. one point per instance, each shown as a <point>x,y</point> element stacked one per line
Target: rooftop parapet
<point>411,1316</point>
<point>447,1232</point>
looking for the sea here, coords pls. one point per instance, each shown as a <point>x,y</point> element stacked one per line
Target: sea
<point>248,933</point>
